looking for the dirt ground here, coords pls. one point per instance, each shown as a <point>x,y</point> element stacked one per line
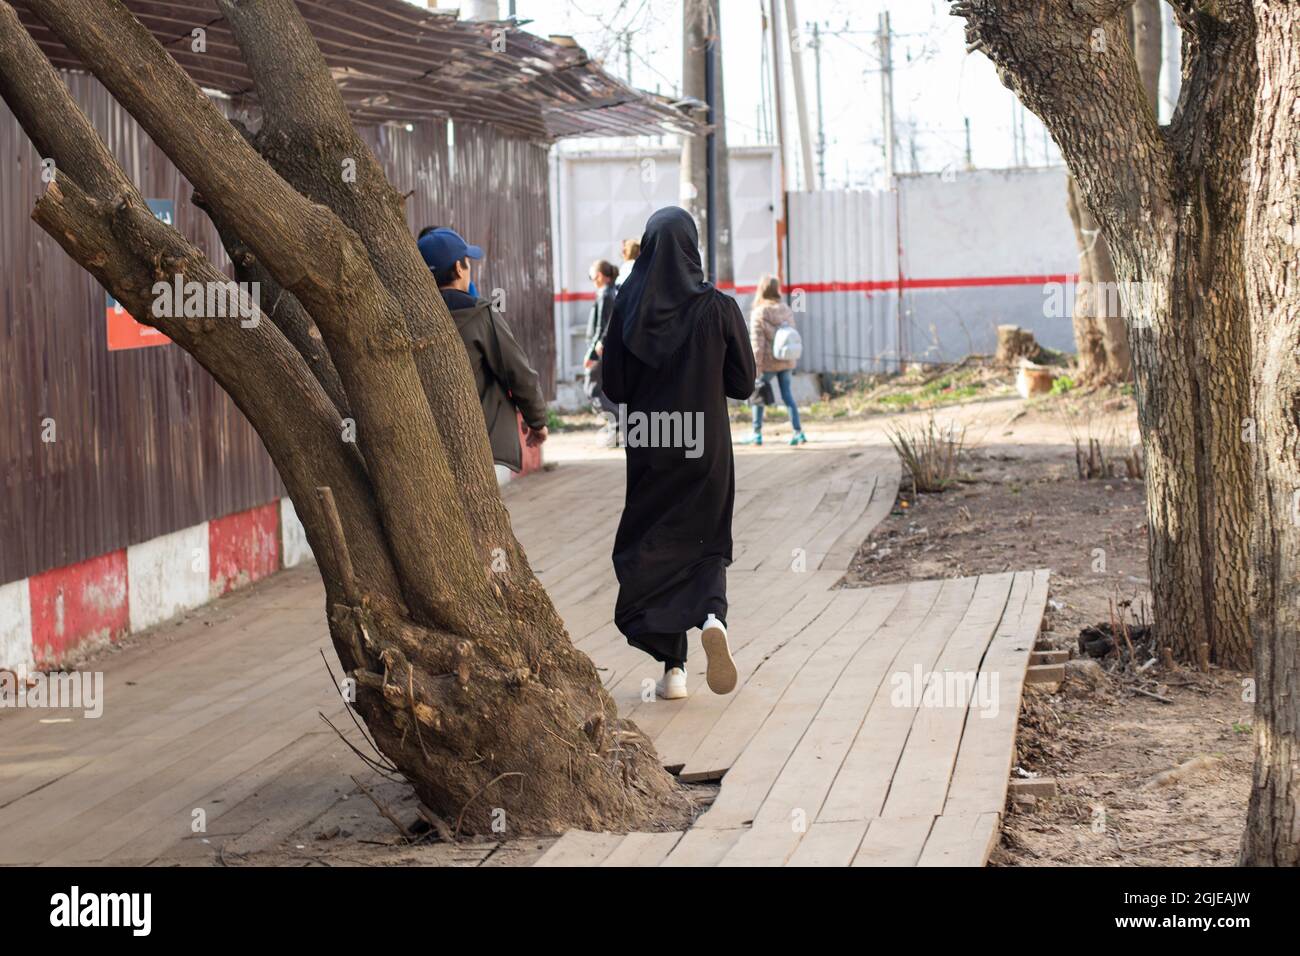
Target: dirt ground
<point>1141,782</point>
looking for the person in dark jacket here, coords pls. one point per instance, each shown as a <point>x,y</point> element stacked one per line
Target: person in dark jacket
<point>502,374</point>
<point>675,351</point>
<point>602,275</point>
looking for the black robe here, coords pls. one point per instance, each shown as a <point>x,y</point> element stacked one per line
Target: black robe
<point>675,345</point>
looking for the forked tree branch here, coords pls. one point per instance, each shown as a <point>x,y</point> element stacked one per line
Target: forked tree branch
<point>313,254</point>
<point>1070,61</point>
<point>307,135</point>
<point>109,231</point>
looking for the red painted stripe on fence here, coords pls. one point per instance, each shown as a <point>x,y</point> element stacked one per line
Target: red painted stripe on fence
<point>81,603</point>
<point>878,285</point>
<point>962,283</point>
<point>243,547</point>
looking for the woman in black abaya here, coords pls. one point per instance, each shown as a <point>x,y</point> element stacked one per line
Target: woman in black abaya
<point>677,345</point>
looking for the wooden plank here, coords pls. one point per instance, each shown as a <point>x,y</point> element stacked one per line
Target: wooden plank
<point>987,750</point>
<point>883,497</point>
<point>718,735</point>
<point>803,783</point>
<point>681,735</point>
<point>236,806</point>
<point>580,848</point>
<point>920,781</point>
<point>893,841</point>
<point>801,694</point>
<point>961,839</point>
<point>150,678</point>
<point>207,725</point>
<point>643,849</point>
<point>829,844</point>
<point>702,847</point>
<point>862,782</point>
<point>103,802</point>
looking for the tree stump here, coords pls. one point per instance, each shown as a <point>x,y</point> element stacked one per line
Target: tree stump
<point>1015,343</point>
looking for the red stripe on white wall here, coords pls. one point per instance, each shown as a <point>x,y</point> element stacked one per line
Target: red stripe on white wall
<point>243,548</point>
<point>877,285</point>
<point>51,618</point>
<point>78,605</point>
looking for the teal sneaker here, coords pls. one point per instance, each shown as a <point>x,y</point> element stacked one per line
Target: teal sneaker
<point>752,440</point>
<point>798,438</point>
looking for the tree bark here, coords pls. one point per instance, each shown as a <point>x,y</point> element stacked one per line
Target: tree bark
<point>1171,204</point>
<point>1148,47</point>
<point>464,676</point>
<point>1272,836</point>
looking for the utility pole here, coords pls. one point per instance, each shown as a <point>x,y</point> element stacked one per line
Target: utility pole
<point>704,180</point>
<point>821,119</point>
<point>711,147</point>
<point>970,164</point>
<point>887,94</point>
<point>800,99</point>
<point>779,109</point>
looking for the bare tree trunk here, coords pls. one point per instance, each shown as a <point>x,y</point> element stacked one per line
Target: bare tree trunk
<point>1101,347</point>
<point>1101,333</point>
<point>1272,836</point>
<point>1088,343</point>
<point>1171,205</point>
<point>464,674</point>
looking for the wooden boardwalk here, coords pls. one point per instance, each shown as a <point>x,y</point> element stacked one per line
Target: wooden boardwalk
<point>219,715</point>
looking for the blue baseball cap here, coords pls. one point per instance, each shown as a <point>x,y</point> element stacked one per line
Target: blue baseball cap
<point>442,247</point>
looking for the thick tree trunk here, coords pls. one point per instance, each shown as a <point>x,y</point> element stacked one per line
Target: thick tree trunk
<point>1171,204</point>
<point>1272,836</point>
<point>464,674</point>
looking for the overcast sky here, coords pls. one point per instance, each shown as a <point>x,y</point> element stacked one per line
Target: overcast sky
<point>936,87</point>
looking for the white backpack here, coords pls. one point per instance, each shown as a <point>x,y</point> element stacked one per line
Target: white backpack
<point>787,346</point>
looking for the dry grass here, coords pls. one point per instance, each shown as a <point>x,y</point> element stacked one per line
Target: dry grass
<point>930,453</point>
<point>1102,452</point>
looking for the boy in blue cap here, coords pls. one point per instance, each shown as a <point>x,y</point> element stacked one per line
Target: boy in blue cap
<point>502,374</point>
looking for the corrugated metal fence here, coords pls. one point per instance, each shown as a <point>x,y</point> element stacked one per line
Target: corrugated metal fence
<point>927,272</point>
<point>843,268</point>
<point>100,449</point>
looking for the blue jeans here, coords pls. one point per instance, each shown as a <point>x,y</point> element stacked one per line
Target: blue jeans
<point>787,396</point>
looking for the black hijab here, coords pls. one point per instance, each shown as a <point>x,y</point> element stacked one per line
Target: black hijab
<point>664,297</point>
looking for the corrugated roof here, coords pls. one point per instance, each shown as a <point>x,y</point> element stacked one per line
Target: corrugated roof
<point>397,62</point>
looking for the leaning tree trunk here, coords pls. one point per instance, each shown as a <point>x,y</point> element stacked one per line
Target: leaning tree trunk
<point>462,669</point>
<point>1272,836</point>
<point>1171,204</point>
<point>1100,331</point>
<point>1100,334</point>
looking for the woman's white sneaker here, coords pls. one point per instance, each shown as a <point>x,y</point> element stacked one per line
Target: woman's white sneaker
<point>672,686</point>
<point>721,673</point>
